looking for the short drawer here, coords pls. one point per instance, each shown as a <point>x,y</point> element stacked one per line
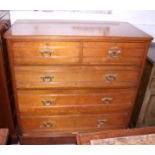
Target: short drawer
<point>46,52</point>
<point>47,77</point>
<point>120,53</point>
<point>72,122</point>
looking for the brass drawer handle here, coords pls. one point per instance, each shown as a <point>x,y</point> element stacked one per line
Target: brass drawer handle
<point>46,53</point>
<point>106,100</point>
<point>47,124</point>
<point>114,53</point>
<point>110,77</point>
<point>101,122</point>
<point>47,78</point>
<point>47,102</point>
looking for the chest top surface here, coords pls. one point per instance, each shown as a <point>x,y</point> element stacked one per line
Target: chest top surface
<point>74,30</point>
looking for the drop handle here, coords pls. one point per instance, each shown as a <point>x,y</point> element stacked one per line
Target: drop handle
<point>110,77</point>
<point>47,102</point>
<point>101,122</point>
<point>47,78</point>
<point>46,53</point>
<point>106,100</point>
<point>114,53</point>
<point>47,124</point>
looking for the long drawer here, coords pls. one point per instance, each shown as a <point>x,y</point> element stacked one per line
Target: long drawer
<point>86,76</point>
<point>65,97</point>
<point>73,123</point>
<point>78,53</point>
<point>53,102</point>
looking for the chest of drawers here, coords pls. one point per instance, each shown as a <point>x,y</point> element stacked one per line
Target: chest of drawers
<point>74,77</point>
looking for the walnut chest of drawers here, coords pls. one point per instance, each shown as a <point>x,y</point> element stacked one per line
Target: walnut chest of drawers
<point>76,77</point>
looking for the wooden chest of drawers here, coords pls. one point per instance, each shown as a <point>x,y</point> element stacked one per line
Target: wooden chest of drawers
<point>74,77</point>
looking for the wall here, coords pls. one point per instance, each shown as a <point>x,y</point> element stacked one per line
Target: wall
<point>143,19</point>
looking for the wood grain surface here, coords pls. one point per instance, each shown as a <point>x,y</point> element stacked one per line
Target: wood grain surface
<point>46,29</point>
<point>74,77</point>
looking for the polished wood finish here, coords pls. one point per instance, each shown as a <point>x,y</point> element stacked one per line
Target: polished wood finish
<point>62,30</point>
<point>70,78</point>
<point>30,98</point>
<point>3,136</point>
<point>7,110</point>
<point>147,110</point>
<point>117,53</point>
<point>48,77</point>
<point>65,101</point>
<point>46,52</point>
<point>85,138</point>
<point>84,96</point>
<point>76,52</point>
<point>72,123</point>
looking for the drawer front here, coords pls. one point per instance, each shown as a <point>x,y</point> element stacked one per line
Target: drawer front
<point>122,53</point>
<point>73,122</point>
<point>74,101</point>
<point>76,52</point>
<point>46,53</point>
<point>59,98</point>
<point>35,77</point>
